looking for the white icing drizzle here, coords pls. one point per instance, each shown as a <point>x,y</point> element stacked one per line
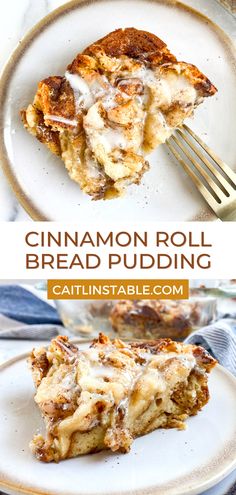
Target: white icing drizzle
<point>188,360</point>
<point>83,95</point>
<point>62,120</point>
<point>102,371</point>
<point>86,93</point>
<point>110,139</point>
<point>164,89</point>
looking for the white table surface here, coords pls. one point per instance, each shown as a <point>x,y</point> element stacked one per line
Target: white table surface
<point>18,16</point>
<point>10,348</point>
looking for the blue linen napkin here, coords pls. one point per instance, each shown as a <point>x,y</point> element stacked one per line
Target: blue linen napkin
<point>23,305</point>
<point>26,314</point>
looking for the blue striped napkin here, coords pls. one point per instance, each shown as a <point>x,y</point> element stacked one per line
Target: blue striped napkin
<point>220,340</point>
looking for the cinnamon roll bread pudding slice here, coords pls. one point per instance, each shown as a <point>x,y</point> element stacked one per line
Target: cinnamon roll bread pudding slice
<point>145,319</point>
<point>118,100</point>
<point>105,396</point>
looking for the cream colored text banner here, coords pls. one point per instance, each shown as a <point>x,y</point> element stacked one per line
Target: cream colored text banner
<point>48,250</point>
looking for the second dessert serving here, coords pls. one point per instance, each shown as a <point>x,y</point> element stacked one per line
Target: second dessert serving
<point>105,396</point>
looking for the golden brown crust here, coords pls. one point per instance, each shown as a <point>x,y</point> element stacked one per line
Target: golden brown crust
<point>134,43</point>
<point>150,49</point>
<point>39,365</point>
<point>44,133</point>
<point>167,345</point>
<point>55,96</point>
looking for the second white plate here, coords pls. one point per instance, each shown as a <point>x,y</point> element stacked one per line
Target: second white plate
<point>165,462</point>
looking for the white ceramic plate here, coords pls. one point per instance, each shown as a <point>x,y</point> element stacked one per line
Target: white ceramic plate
<point>165,462</point>
<point>40,180</point>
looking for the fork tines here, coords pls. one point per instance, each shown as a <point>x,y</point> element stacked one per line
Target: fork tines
<point>215,180</point>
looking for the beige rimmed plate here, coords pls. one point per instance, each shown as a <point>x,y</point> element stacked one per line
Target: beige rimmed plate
<point>40,180</point>
<point>165,462</point>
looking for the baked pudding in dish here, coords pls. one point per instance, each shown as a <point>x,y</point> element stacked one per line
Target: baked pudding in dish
<point>105,396</point>
<point>118,100</point>
<point>147,319</point>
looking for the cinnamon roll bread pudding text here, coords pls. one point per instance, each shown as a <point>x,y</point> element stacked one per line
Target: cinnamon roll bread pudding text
<point>105,396</point>
<point>118,100</point>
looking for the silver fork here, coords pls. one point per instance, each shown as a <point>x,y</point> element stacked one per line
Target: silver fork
<point>215,180</point>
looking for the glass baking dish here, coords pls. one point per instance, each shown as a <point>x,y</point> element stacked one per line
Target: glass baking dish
<point>140,319</point>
